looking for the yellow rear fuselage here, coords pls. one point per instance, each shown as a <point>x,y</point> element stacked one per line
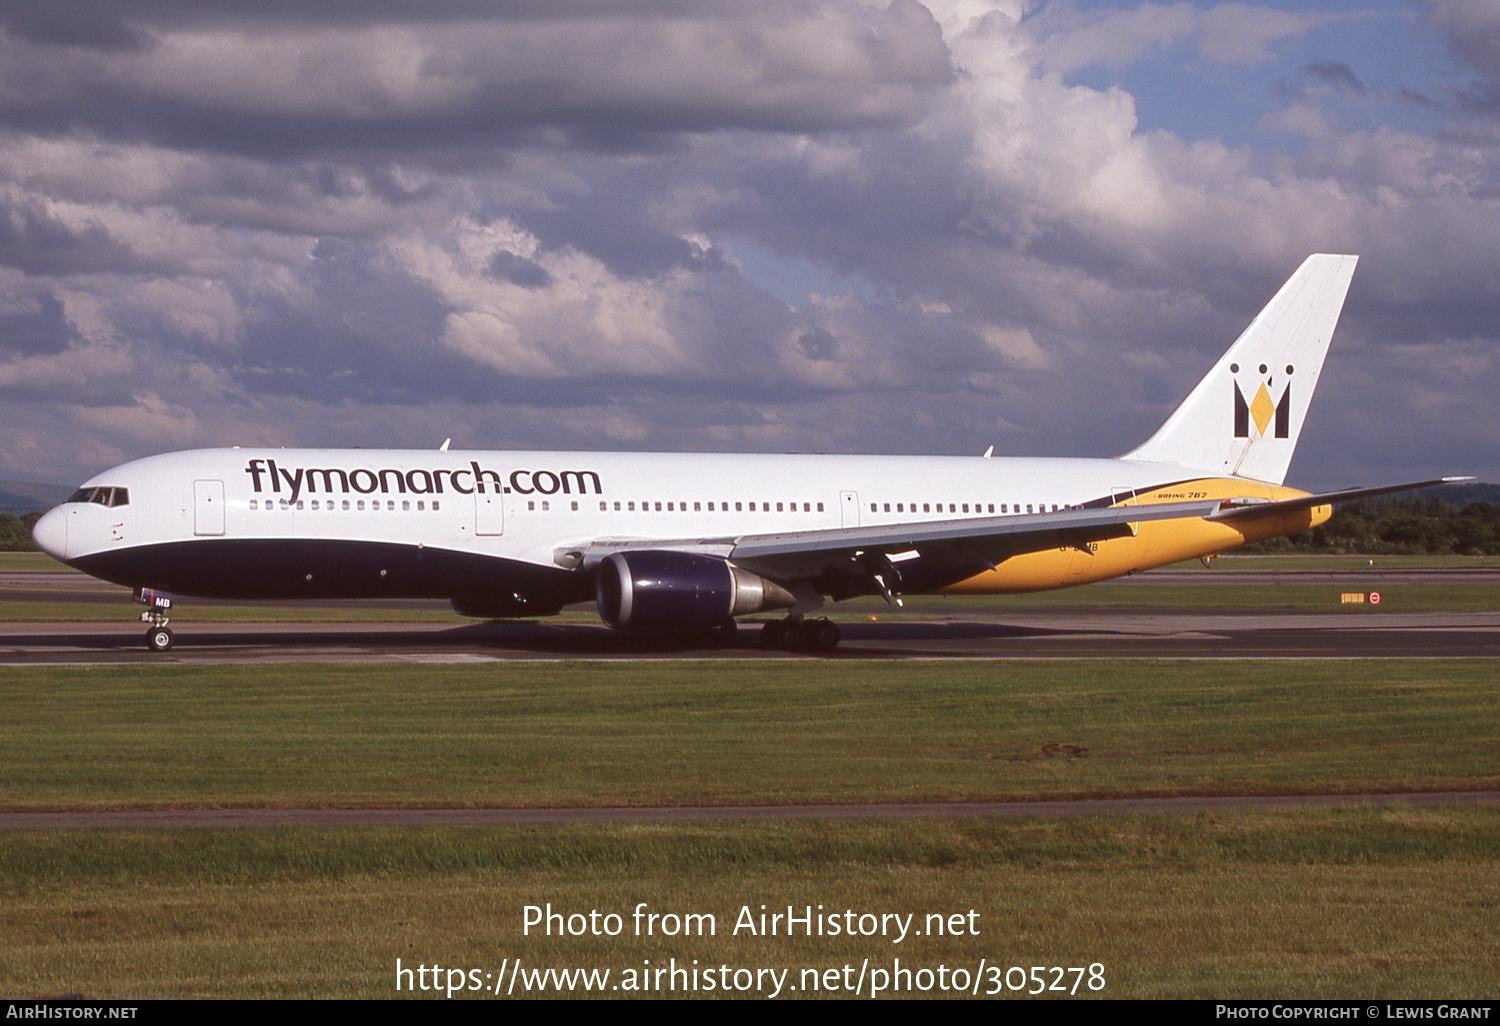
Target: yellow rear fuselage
<point>1152,544</point>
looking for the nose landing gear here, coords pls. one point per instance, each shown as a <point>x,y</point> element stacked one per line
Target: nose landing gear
<point>159,637</point>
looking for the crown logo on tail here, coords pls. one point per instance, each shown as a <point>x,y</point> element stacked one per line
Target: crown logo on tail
<point>1262,410</point>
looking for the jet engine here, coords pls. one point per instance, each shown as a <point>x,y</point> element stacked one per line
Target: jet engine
<point>663,591</point>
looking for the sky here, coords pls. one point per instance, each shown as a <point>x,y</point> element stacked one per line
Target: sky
<point>736,225</point>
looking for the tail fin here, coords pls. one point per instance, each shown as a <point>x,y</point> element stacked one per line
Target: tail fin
<point>1244,417</point>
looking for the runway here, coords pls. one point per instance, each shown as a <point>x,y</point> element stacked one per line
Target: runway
<point>231,818</point>
<point>927,628</point>
<point>962,633</point>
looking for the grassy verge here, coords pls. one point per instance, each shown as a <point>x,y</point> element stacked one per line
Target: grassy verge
<point>184,612</point>
<point>1231,597</point>
<point>649,733</point>
<point>1355,903</point>
<point>1319,562</point>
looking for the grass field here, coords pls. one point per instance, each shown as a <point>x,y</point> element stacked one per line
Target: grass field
<point>654,733</point>
<point>1363,903</point>
<point>1357,902</point>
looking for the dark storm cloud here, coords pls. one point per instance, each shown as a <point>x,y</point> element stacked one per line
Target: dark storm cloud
<point>519,271</point>
<point>1473,31</point>
<point>1337,73</point>
<point>1472,28</point>
<point>40,330</point>
<point>295,78</point>
<point>35,241</point>
<point>364,334</point>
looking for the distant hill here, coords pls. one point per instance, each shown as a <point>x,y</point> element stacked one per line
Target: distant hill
<point>30,497</point>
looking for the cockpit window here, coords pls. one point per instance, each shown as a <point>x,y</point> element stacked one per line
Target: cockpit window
<point>102,496</point>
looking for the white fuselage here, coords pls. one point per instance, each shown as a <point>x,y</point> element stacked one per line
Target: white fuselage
<point>524,506</point>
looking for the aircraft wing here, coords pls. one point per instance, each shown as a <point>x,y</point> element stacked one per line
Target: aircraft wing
<point>1245,509</point>
<point>844,561</point>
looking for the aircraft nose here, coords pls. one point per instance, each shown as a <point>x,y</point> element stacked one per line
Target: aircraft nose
<point>51,533</point>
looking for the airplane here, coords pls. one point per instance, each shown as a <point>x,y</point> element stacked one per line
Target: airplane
<point>688,542</point>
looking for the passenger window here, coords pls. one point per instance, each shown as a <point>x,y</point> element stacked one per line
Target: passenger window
<point>421,505</point>
<point>820,507</point>
<point>531,504</point>
<point>658,507</point>
<point>697,507</point>
<point>359,504</point>
<point>575,505</point>
<point>253,504</point>
<point>737,508</point>
<point>630,506</point>
<point>434,504</point>
<point>546,506</point>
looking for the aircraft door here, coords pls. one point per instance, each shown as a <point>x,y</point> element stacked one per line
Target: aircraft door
<point>848,509</point>
<point>208,508</point>
<point>489,514</point>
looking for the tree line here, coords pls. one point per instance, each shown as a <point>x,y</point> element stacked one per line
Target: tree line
<point>1406,526</point>
<point>15,532</point>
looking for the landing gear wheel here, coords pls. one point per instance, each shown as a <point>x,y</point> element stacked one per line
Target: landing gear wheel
<point>821,636</point>
<point>773,633</point>
<point>159,639</point>
<point>724,634</point>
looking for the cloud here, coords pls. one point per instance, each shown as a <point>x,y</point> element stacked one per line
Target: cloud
<point>848,226</point>
<point>1472,28</point>
<point>1069,38</point>
<point>484,75</point>
<point>1473,31</point>
<point>1337,73</point>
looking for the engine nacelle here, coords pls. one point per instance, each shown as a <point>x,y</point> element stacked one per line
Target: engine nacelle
<point>662,591</point>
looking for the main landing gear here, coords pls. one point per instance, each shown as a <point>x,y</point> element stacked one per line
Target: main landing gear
<point>798,634</point>
<point>159,637</point>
